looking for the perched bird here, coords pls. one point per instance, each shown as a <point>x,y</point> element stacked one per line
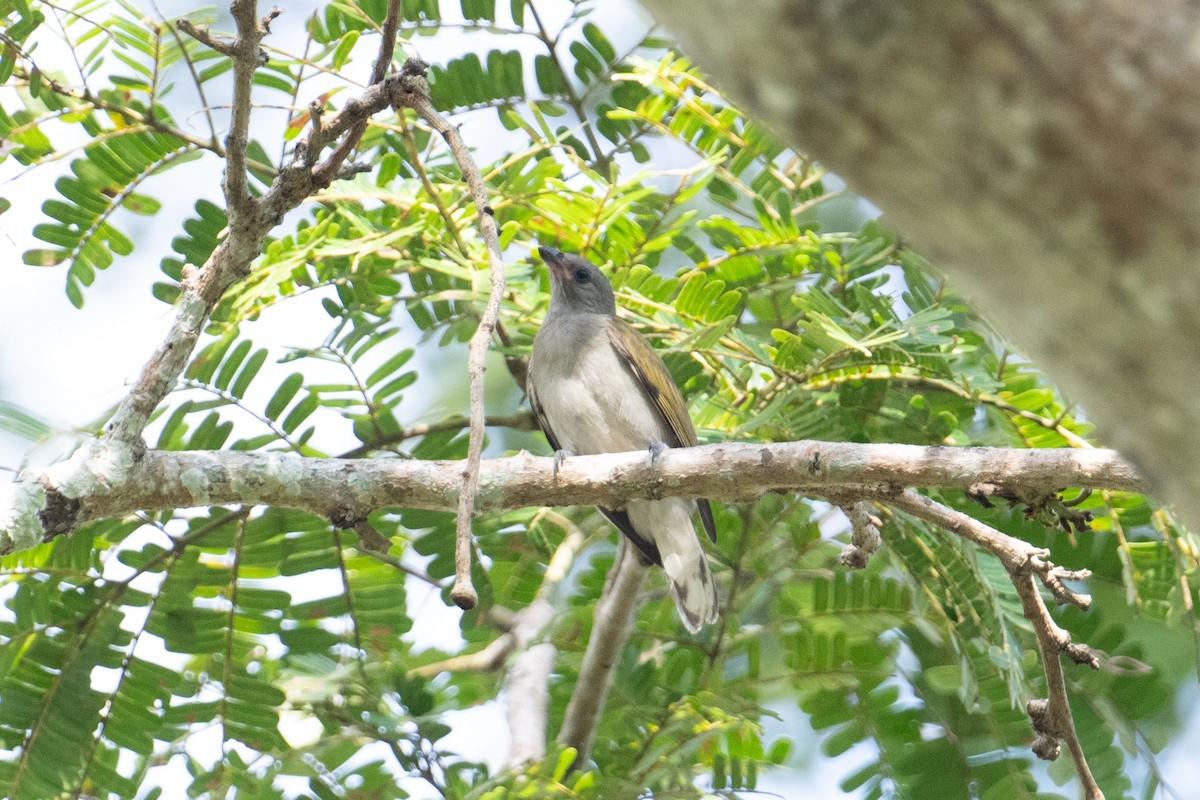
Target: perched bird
<point>596,386</point>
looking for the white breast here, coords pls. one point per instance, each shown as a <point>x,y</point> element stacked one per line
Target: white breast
<point>597,407</point>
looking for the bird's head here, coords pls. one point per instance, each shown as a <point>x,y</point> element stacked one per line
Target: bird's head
<point>576,285</point>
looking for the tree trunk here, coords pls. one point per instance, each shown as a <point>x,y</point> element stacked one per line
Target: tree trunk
<point>1045,152</point>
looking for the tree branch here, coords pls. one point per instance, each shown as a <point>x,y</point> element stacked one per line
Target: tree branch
<point>54,501</point>
<point>244,52</point>
<point>864,535</point>
<point>201,34</point>
<point>527,691</point>
<point>387,42</point>
<point>489,659</point>
<point>616,611</point>
<point>250,220</point>
<point>521,420</point>
<point>416,97</point>
<point>327,172</point>
<point>1050,716</point>
<point>200,291</point>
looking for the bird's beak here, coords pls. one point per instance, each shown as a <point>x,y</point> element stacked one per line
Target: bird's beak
<point>554,260</point>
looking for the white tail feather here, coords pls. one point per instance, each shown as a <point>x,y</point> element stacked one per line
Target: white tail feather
<point>668,523</point>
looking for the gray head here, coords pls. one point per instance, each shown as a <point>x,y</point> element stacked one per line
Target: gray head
<point>576,285</point>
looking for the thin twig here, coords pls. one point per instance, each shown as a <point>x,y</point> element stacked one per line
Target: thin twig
<point>75,55</point>
<point>415,96</point>
<point>201,34</point>
<point>999,403</point>
<point>369,538</point>
<point>435,196</point>
<point>315,107</point>
<point>392,561</point>
<point>332,168</point>
<point>489,659</point>
<point>1051,716</point>
<point>245,61</point>
<point>387,45</point>
<point>600,161</point>
<point>129,115</point>
<point>191,65</point>
<point>375,544</point>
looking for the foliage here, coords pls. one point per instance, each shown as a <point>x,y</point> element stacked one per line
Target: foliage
<point>781,312</point>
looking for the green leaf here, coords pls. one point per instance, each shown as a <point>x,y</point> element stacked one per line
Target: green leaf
<point>102,184</point>
<point>599,42</point>
<point>549,79</point>
<point>283,395</point>
<point>23,423</point>
<point>389,367</point>
<point>341,53</point>
<point>587,65</point>
<point>248,373</point>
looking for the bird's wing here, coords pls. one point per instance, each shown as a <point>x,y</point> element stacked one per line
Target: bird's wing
<point>656,381</point>
<point>540,415</point>
<point>618,518</point>
<point>621,520</point>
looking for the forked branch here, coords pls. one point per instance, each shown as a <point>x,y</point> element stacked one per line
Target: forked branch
<point>250,219</point>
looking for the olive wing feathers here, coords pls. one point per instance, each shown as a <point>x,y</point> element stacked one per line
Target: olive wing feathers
<point>652,375</point>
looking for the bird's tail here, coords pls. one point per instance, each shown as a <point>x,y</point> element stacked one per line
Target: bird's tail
<point>692,586</point>
<point>688,575</point>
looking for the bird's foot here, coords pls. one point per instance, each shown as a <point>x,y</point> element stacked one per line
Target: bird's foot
<point>656,449</point>
<point>559,457</point>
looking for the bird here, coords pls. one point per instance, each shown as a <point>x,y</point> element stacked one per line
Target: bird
<point>596,386</point>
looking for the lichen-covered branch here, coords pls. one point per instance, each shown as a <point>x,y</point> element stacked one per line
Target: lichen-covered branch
<point>105,465</point>
<point>250,219</point>
<point>116,483</point>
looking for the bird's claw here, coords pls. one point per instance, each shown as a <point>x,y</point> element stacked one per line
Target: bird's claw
<point>559,457</point>
<point>656,449</point>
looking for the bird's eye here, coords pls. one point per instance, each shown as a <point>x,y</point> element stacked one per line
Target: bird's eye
<point>582,275</point>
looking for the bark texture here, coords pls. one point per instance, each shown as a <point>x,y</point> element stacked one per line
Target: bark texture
<point>1045,152</point>
<point>351,489</point>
